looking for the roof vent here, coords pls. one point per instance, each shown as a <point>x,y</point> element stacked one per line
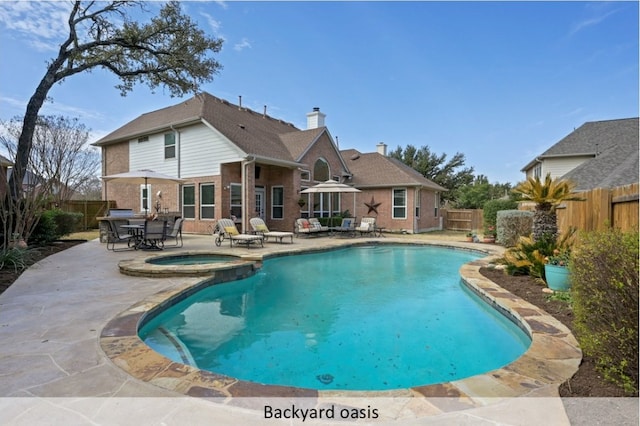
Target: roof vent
<point>354,157</point>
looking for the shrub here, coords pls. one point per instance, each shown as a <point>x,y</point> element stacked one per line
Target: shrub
<point>54,224</point>
<point>490,212</point>
<point>528,257</point>
<point>604,282</point>
<point>513,224</point>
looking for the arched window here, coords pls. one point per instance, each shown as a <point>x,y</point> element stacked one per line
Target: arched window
<point>321,170</point>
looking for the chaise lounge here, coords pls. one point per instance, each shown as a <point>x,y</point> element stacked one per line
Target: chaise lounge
<point>260,228</point>
<point>227,229</point>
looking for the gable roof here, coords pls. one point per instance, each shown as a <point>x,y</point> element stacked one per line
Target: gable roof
<point>376,170</point>
<point>591,138</point>
<point>254,133</point>
<point>4,161</point>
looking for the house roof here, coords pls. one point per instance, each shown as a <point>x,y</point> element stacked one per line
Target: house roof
<point>254,133</point>
<point>4,161</point>
<point>376,170</point>
<point>591,138</point>
<point>617,165</point>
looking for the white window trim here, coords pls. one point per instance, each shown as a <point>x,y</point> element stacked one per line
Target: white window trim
<point>393,205</point>
<point>189,205</point>
<point>273,205</point>
<point>208,205</point>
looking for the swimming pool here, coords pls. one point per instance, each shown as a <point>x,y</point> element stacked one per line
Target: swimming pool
<point>392,328</point>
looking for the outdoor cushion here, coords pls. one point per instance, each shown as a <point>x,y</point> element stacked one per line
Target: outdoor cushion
<point>231,230</point>
<point>262,228</point>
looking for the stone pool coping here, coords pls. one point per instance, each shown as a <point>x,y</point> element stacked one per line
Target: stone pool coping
<point>552,358</point>
<point>140,267</point>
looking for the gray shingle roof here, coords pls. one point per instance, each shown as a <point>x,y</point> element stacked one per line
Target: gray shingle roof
<point>596,136</point>
<point>376,170</point>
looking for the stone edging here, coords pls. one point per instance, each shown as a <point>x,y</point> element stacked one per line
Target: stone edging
<point>552,358</point>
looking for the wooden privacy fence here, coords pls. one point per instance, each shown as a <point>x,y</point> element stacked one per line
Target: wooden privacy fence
<point>617,207</point>
<point>91,209</point>
<point>462,219</point>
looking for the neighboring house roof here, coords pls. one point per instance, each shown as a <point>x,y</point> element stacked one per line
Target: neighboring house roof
<point>616,166</point>
<point>591,138</point>
<point>29,178</point>
<point>376,170</point>
<point>5,162</point>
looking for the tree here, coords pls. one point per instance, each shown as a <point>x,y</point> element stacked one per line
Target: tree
<point>449,174</point>
<point>60,157</point>
<point>169,51</point>
<point>475,195</point>
<point>547,195</point>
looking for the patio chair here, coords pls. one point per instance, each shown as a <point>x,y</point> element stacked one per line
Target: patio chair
<point>347,227</point>
<point>260,228</point>
<point>308,227</point>
<point>226,228</point>
<point>155,233</point>
<point>114,236</point>
<point>176,232</point>
<point>367,226</point>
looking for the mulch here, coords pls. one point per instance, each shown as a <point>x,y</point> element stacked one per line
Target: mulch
<point>587,382</point>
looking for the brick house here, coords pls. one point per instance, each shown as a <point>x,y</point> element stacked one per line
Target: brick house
<point>242,163</point>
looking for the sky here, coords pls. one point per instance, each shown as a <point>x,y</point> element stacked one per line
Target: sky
<point>500,82</point>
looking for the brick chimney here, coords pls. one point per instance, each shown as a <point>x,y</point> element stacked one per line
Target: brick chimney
<point>382,148</point>
<point>315,119</point>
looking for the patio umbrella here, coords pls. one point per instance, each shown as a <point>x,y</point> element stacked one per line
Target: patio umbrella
<point>142,177</point>
<point>331,186</point>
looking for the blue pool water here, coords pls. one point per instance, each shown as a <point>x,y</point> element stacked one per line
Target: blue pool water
<point>362,318</point>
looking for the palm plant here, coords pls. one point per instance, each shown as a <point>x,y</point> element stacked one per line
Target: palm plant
<point>547,195</point>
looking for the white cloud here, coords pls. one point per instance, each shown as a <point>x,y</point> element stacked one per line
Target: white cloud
<point>242,45</point>
<point>213,23</point>
<point>585,23</point>
<point>42,24</point>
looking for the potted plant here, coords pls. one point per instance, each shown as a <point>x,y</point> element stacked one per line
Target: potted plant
<point>301,202</point>
<point>556,270</point>
<point>489,234</point>
<point>470,236</point>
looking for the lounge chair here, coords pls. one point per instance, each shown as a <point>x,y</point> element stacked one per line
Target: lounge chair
<point>226,228</point>
<point>260,228</point>
<point>176,233</point>
<point>347,227</point>
<point>114,236</point>
<point>367,226</point>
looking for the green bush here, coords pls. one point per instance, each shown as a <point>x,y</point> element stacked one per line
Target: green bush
<point>528,256</point>
<point>490,212</point>
<point>52,225</point>
<point>513,224</point>
<point>604,283</point>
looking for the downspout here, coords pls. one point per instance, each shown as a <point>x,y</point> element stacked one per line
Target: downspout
<point>245,191</point>
<point>178,145</point>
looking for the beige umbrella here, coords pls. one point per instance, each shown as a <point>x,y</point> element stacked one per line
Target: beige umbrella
<point>142,177</point>
<point>331,186</point>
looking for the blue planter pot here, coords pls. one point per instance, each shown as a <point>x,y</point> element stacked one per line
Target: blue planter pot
<point>557,277</point>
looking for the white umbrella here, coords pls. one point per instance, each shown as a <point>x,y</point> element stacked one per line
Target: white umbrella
<point>142,177</point>
<point>331,186</point>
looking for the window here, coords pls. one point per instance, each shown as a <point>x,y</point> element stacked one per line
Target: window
<point>436,204</point>
<point>304,209</point>
<point>305,175</point>
<point>236,200</point>
<point>144,197</point>
<point>418,198</point>
<point>399,203</point>
<point>169,145</point>
<point>277,202</point>
<point>321,170</point>
<point>143,139</point>
<point>537,170</point>
<point>207,201</point>
<point>189,202</point>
